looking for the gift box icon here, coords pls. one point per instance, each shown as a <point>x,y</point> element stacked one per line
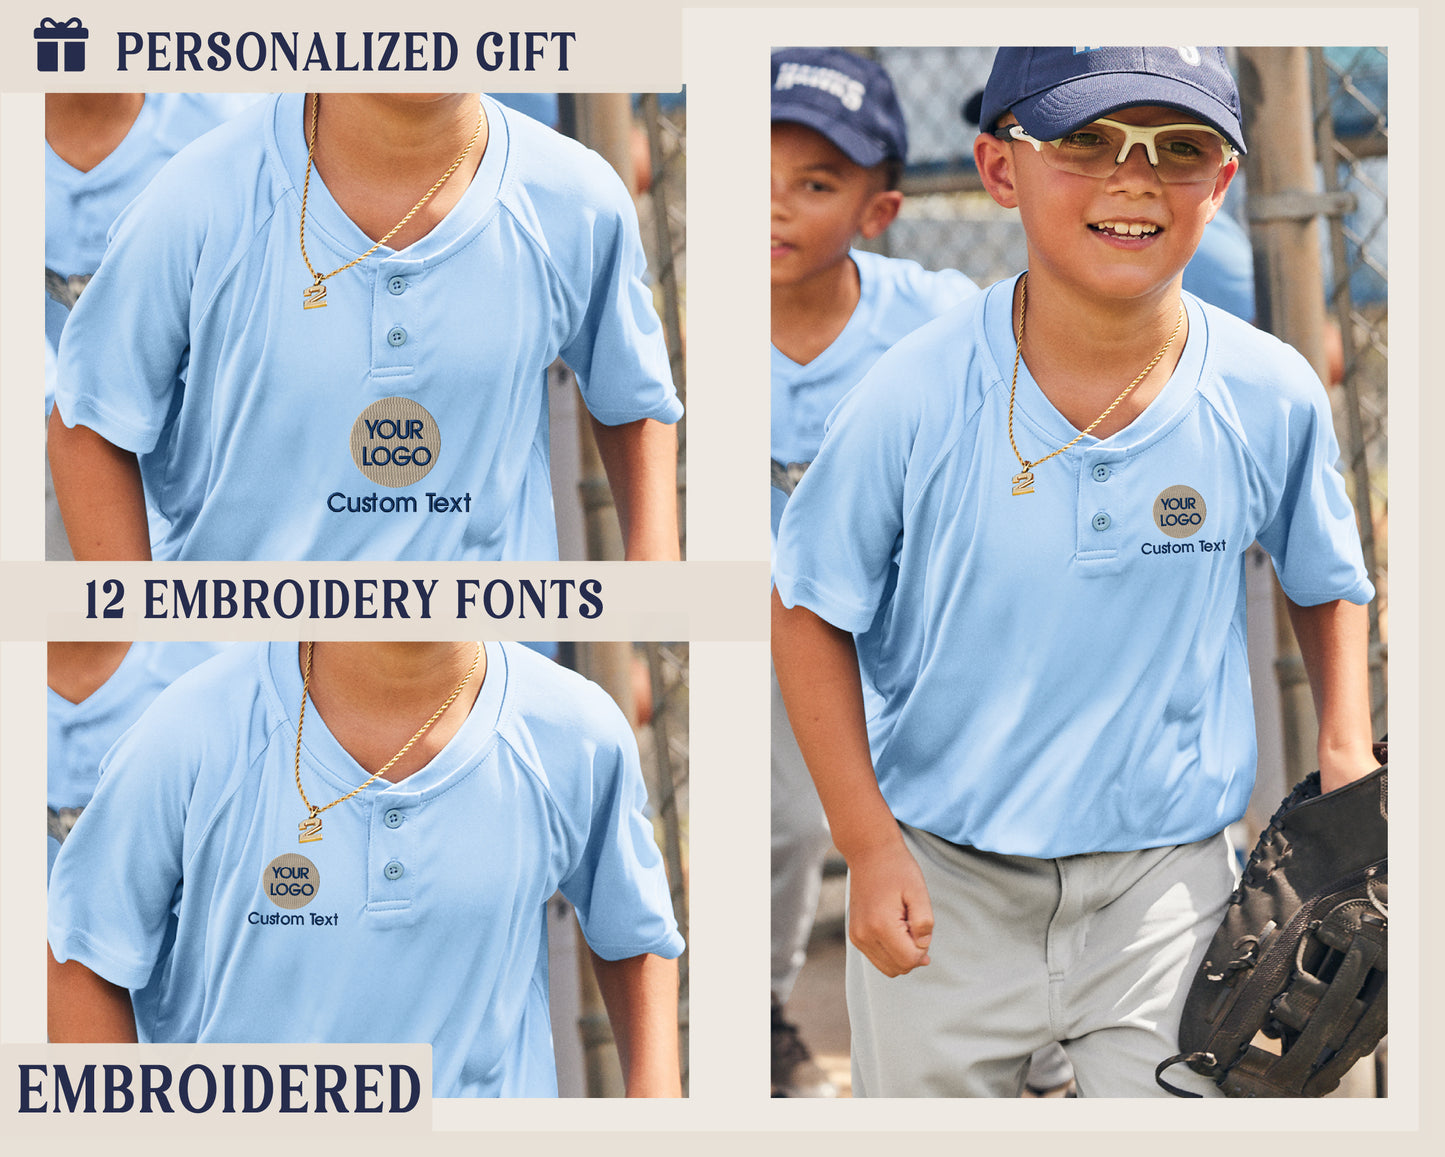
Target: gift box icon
<point>49,38</point>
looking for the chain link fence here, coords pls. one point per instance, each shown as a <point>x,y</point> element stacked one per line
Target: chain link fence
<point>666,759</point>
<point>662,210</point>
<point>1350,98</point>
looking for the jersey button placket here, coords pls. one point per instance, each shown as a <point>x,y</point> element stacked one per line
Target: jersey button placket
<point>393,859</point>
<point>1097,529</point>
<point>394,321</point>
<point>1096,492</point>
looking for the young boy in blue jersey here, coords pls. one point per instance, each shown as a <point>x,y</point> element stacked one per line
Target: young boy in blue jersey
<point>839,142</point>
<point>1025,531</point>
<point>357,842</point>
<point>323,331</point>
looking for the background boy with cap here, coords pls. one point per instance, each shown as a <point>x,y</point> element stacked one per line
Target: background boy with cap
<point>839,143</point>
<point>1026,527</point>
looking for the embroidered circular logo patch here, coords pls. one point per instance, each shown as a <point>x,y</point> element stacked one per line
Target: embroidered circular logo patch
<point>290,881</point>
<point>395,442</point>
<point>1179,511</point>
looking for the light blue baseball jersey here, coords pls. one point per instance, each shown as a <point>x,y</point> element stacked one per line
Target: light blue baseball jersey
<point>406,419</point>
<point>896,296</point>
<point>418,917</point>
<point>1064,671</point>
<point>79,734</point>
<point>81,207</point>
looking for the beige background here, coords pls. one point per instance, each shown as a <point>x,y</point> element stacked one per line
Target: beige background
<point>718,599</point>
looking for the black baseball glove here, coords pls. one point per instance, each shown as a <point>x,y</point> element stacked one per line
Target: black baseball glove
<point>1301,954</point>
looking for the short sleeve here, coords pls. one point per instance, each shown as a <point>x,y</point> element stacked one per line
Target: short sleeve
<point>617,882</point>
<point>1312,536</point>
<point>841,529</point>
<point>118,871</point>
<point>123,349</point>
<point>618,351</point>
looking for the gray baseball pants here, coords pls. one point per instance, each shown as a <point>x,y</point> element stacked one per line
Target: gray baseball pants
<point>1093,951</point>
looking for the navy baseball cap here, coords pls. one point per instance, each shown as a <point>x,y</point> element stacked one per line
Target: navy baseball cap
<point>846,97</point>
<point>1053,91</point>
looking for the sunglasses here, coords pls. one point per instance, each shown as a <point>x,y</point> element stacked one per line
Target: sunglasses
<point>1179,153</point>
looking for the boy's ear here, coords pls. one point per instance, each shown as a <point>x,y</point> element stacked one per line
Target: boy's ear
<point>880,213</point>
<point>1221,186</point>
<point>994,159</point>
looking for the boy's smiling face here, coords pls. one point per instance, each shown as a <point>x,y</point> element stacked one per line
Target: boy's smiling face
<point>821,201</point>
<point>1119,236</point>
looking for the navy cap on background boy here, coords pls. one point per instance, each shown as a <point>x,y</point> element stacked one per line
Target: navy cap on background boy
<point>839,143</point>
<point>846,97</point>
<point>1033,815</point>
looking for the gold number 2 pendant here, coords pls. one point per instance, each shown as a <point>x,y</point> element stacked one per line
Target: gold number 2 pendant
<point>1024,482</point>
<point>315,296</point>
<point>310,829</point>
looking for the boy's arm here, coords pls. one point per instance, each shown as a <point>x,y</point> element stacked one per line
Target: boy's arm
<point>890,917</point>
<point>98,487</point>
<point>84,1008</point>
<point>640,993</point>
<point>1334,644</point>
<point>641,463</point>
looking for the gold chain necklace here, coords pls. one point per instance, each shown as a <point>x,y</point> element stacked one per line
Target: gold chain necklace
<point>1023,481</point>
<point>310,827</point>
<point>314,295</point>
